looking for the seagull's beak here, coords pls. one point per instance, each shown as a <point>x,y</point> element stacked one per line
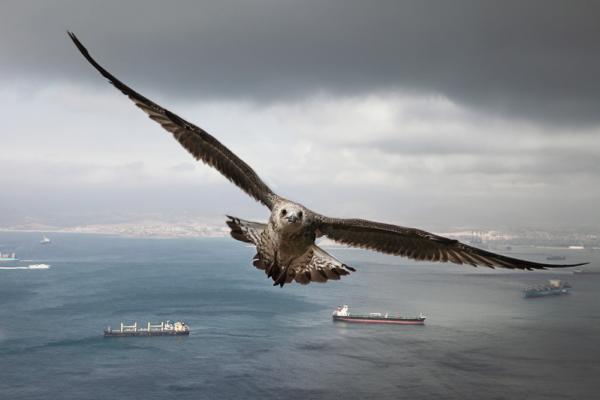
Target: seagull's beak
<point>293,218</point>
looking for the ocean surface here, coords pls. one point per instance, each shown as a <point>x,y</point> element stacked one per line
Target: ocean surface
<point>251,340</point>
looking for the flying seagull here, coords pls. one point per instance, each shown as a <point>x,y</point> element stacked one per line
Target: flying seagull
<point>285,245</point>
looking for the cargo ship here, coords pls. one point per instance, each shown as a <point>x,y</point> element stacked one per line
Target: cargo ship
<point>553,288</point>
<point>163,329</point>
<point>8,257</point>
<point>341,314</point>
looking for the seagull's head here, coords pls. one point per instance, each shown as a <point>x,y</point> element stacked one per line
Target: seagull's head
<point>290,217</point>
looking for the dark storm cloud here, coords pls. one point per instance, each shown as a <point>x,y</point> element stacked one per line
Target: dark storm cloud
<point>533,59</point>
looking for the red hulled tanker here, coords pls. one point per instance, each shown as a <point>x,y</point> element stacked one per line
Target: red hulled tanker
<point>341,314</point>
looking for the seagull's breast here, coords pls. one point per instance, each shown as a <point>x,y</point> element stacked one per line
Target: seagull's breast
<point>290,245</point>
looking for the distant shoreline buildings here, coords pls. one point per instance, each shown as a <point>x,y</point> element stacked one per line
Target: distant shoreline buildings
<point>149,229</point>
<point>198,228</point>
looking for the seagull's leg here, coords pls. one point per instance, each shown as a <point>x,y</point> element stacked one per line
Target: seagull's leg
<point>281,278</point>
<point>272,267</point>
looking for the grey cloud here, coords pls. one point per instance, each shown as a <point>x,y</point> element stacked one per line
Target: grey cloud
<point>542,166</point>
<point>470,145</point>
<point>490,160</point>
<point>183,167</point>
<point>419,147</point>
<point>537,60</point>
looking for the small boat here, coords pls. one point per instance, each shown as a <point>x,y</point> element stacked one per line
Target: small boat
<point>21,267</point>
<point>39,266</point>
<point>341,314</point>
<point>45,240</point>
<point>163,329</point>
<point>553,288</point>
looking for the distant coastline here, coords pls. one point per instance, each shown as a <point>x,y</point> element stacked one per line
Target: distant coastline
<point>154,228</point>
<point>145,229</point>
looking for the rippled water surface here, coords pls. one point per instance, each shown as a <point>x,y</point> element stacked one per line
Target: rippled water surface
<point>252,340</point>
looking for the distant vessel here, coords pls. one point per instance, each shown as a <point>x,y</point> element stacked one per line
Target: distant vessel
<point>576,247</point>
<point>553,288</point>
<point>8,257</point>
<point>39,266</point>
<point>163,329</point>
<point>342,314</point>
<point>45,240</point>
<point>555,258</point>
<point>31,266</point>
<point>587,271</point>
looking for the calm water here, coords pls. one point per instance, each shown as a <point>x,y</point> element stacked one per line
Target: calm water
<point>252,340</point>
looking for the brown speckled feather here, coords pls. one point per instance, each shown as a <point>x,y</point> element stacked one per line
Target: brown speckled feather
<point>195,140</point>
<point>416,244</point>
<point>318,266</point>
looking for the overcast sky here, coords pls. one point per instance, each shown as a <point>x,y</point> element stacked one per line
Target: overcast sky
<point>432,114</point>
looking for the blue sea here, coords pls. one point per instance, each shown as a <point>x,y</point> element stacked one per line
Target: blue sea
<point>251,340</point>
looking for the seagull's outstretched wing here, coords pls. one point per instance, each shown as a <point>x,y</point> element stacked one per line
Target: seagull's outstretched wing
<point>198,142</point>
<point>416,244</point>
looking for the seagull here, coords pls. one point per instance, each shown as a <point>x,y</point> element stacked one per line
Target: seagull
<point>285,245</point>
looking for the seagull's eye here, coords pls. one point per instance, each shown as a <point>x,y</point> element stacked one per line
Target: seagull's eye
<point>300,214</point>
<point>283,212</point>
